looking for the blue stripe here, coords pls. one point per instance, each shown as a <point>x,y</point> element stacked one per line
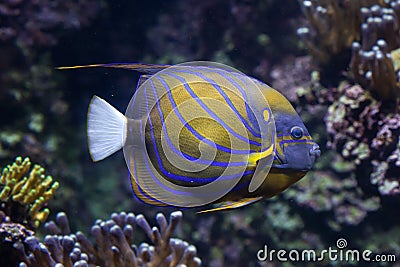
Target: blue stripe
<point>175,176</point>
<point>188,179</point>
<point>178,152</point>
<point>227,99</point>
<point>288,135</point>
<point>240,76</point>
<point>209,111</point>
<point>144,195</point>
<point>194,132</point>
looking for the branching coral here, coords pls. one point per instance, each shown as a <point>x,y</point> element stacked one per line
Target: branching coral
<point>373,60</point>
<point>24,192</point>
<point>333,25</point>
<point>370,27</point>
<point>113,244</point>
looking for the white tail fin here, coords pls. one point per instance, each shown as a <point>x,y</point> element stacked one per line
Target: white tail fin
<point>106,129</point>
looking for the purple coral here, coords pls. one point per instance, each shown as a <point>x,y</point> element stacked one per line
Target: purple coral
<point>363,130</point>
<point>372,64</point>
<point>113,244</point>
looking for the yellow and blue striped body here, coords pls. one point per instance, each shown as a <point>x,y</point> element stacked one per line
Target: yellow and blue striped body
<point>217,130</point>
<point>195,134</point>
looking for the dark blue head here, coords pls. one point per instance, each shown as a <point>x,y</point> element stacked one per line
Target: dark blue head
<point>295,148</point>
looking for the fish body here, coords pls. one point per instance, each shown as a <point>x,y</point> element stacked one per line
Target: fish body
<point>201,133</point>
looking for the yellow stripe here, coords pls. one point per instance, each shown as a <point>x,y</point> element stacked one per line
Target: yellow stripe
<point>254,157</point>
<point>289,137</point>
<point>79,67</point>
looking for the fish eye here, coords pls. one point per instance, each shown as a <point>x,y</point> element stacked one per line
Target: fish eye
<point>296,132</point>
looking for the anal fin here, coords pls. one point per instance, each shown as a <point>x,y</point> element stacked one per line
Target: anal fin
<point>232,204</point>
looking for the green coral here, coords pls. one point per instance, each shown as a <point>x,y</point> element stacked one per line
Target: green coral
<point>334,190</point>
<point>29,187</point>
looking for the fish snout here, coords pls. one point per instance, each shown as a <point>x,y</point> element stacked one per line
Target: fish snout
<point>314,151</point>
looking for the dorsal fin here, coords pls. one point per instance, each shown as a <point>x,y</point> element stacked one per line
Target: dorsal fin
<point>142,79</point>
<point>140,67</point>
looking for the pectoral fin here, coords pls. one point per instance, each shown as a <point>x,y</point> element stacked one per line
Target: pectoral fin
<point>232,204</point>
<point>254,157</point>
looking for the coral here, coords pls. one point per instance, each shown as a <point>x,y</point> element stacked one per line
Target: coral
<point>374,58</point>
<point>364,131</point>
<point>25,191</point>
<point>34,22</point>
<point>333,25</point>
<point>113,244</point>
<point>370,28</point>
<point>325,191</point>
<point>362,121</point>
<point>12,235</point>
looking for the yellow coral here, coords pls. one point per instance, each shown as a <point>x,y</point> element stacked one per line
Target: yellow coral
<point>31,189</point>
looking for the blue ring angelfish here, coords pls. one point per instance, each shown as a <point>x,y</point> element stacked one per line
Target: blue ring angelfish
<point>202,132</point>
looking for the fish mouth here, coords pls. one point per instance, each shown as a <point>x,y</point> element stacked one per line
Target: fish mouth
<point>315,152</point>
<point>287,162</point>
